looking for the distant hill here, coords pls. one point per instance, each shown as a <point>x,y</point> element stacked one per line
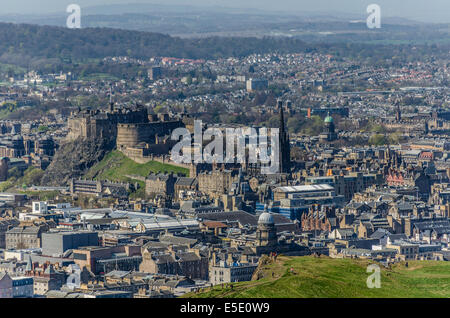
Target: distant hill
<point>338,278</point>
<point>21,44</point>
<point>52,48</point>
<point>188,20</point>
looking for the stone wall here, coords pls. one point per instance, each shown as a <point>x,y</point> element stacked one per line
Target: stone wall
<point>131,135</point>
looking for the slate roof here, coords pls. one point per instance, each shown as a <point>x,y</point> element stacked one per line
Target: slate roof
<point>396,237</point>
<point>163,258</point>
<point>242,217</point>
<point>356,205</point>
<point>379,233</point>
<point>188,257</point>
<point>24,230</point>
<point>117,274</point>
<point>214,224</point>
<point>177,240</point>
<point>432,225</point>
<point>184,181</point>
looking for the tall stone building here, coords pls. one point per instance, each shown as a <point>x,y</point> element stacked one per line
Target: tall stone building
<point>163,184</point>
<point>188,263</point>
<point>216,182</point>
<point>5,225</point>
<point>155,73</point>
<point>25,237</point>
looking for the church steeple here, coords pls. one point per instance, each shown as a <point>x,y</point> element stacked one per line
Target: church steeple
<point>280,109</point>
<point>285,151</point>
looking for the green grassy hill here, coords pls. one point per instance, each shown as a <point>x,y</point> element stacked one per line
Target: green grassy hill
<point>339,278</point>
<point>115,166</point>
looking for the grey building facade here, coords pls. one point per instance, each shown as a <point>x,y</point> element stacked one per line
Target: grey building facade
<point>56,243</point>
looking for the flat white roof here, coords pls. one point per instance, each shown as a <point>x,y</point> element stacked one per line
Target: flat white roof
<point>306,188</point>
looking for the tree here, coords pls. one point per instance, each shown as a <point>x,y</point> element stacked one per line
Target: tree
<point>43,128</point>
<point>378,140</point>
<point>158,109</point>
<point>294,124</point>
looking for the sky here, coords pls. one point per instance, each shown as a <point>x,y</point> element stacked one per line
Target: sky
<point>420,10</point>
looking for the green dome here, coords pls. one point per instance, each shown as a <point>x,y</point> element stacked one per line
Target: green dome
<point>329,119</point>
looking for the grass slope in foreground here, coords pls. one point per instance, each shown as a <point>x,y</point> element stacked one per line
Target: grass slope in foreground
<point>115,166</point>
<point>339,278</point>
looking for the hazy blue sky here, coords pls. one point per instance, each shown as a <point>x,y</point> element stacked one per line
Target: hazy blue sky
<point>424,10</point>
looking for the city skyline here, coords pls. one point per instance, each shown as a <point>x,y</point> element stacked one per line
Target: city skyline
<point>241,151</point>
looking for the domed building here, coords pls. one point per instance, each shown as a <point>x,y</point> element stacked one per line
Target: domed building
<point>266,218</point>
<point>329,133</point>
<point>266,233</point>
<point>267,241</point>
<point>329,120</point>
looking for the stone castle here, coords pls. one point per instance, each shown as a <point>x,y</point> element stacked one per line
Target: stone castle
<point>133,129</point>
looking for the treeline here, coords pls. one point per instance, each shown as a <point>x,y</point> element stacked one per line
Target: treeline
<point>58,48</point>
<point>23,44</point>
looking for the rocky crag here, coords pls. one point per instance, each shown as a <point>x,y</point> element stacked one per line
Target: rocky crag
<point>73,159</point>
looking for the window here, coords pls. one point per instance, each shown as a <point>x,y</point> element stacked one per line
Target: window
<point>79,256</point>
